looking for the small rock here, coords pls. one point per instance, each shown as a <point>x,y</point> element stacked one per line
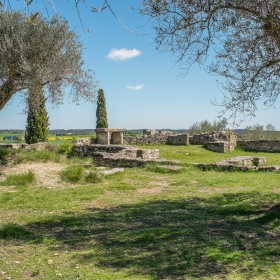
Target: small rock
<point>112,171</point>
<point>100,168</point>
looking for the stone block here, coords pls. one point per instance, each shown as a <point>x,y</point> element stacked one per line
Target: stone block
<point>219,147</point>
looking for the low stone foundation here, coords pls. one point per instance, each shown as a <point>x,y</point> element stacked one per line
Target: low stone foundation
<point>240,163</point>
<point>270,146</point>
<point>37,146</point>
<point>119,156</point>
<point>103,159</point>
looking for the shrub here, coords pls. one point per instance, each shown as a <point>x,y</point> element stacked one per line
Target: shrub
<point>66,149</point>
<point>72,174</point>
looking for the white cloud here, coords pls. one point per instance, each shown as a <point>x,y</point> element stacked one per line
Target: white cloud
<point>122,54</point>
<point>139,87</point>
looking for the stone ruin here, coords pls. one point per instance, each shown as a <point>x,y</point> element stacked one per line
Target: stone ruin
<point>107,136</point>
<point>116,155</point>
<point>239,163</point>
<point>152,136</point>
<point>217,141</point>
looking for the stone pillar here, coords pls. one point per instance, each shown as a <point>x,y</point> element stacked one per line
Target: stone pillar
<point>117,138</point>
<point>103,137</point>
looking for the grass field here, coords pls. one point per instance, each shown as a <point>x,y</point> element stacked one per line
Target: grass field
<point>52,139</point>
<point>141,224</point>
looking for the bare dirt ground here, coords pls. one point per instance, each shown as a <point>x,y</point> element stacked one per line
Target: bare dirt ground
<point>46,173</point>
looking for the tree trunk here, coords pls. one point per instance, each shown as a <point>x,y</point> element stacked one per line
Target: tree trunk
<point>7,90</point>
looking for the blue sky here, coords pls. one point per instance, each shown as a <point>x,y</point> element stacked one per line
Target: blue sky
<point>143,88</point>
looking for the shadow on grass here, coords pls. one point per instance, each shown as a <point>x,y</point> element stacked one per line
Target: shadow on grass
<point>174,239</point>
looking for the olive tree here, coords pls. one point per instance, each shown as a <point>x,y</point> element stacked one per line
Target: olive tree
<point>42,53</point>
<point>243,35</point>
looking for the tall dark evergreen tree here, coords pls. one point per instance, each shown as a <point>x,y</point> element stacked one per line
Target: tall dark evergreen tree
<point>37,118</point>
<point>101,112</point>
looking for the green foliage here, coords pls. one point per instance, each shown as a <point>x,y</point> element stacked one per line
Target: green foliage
<point>42,52</point>
<point>66,149</point>
<point>44,155</point>
<point>19,180</point>
<point>93,177</point>
<point>3,155</point>
<point>206,126</point>
<point>258,132</point>
<point>162,169</point>
<point>37,120</point>
<point>72,174</point>
<point>101,112</point>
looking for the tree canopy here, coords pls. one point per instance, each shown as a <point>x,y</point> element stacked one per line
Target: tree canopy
<point>42,54</point>
<point>245,36</point>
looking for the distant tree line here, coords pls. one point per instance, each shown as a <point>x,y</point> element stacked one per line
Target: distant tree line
<point>259,132</point>
<point>206,126</point>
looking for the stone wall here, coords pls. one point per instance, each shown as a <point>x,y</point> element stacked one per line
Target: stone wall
<point>217,141</point>
<point>151,136</point>
<point>215,136</point>
<point>271,146</point>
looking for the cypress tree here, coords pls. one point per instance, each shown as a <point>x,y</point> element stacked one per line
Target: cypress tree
<point>101,113</point>
<point>37,119</point>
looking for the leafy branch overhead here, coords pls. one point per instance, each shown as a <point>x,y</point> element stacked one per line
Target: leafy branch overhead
<point>245,38</point>
<point>34,51</point>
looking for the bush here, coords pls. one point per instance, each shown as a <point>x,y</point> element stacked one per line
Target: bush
<point>66,149</point>
<point>72,174</point>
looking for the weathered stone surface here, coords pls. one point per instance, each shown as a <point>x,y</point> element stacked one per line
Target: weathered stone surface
<point>151,136</point>
<point>269,168</point>
<point>111,171</point>
<point>216,136</point>
<point>107,136</point>
<point>90,149</point>
<point>37,146</point>
<point>101,159</point>
<point>85,141</point>
<point>179,139</point>
<point>149,131</point>
<point>99,168</point>
<point>119,156</point>
<point>219,147</point>
<point>242,161</point>
<point>271,146</point>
